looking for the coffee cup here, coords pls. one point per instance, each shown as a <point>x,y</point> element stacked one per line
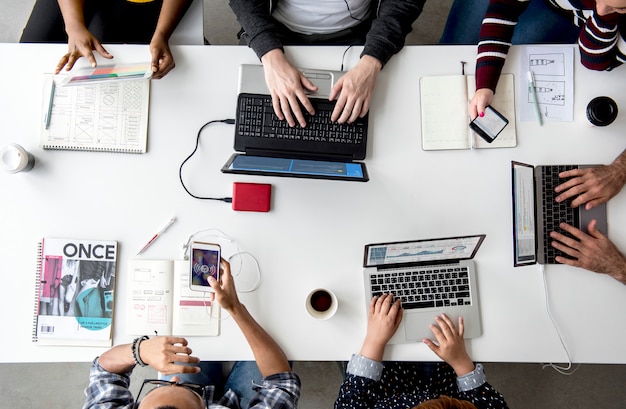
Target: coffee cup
<point>602,111</point>
<point>16,159</point>
<point>321,304</point>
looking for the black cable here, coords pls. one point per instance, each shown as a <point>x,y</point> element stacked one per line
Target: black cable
<point>350,12</point>
<point>343,57</point>
<point>180,171</point>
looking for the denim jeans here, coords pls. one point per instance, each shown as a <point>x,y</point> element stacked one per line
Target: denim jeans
<point>538,24</point>
<point>240,379</point>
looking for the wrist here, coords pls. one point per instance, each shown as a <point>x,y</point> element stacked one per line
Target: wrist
<point>463,367</point>
<point>159,37</point>
<point>619,164</point>
<point>136,350</point>
<point>273,56</point>
<point>371,63</point>
<point>620,273</point>
<point>373,350</point>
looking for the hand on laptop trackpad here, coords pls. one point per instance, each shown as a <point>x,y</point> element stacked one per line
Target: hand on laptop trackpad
<point>322,80</point>
<point>416,325</point>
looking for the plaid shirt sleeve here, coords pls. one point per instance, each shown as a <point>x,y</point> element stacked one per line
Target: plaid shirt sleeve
<point>107,390</point>
<point>278,391</point>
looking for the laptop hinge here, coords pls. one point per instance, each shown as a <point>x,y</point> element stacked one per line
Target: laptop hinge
<point>417,265</point>
<point>298,155</point>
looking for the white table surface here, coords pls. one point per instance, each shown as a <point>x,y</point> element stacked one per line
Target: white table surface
<point>315,232</point>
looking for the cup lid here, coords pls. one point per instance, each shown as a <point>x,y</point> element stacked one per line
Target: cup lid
<point>13,157</point>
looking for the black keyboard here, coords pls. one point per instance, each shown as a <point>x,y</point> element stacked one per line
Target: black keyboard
<point>553,212</point>
<point>256,118</point>
<point>432,287</point>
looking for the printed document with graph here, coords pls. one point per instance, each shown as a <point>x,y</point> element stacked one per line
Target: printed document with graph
<point>109,116</point>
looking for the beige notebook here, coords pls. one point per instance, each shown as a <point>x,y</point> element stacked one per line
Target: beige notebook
<point>159,299</point>
<point>445,119</point>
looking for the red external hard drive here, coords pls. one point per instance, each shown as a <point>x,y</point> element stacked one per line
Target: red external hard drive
<point>252,197</point>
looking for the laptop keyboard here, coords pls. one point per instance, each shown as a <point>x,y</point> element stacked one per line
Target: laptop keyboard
<point>431,287</point>
<point>554,212</point>
<point>256,118</point>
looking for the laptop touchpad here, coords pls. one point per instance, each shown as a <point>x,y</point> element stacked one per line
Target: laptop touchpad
<point>417,324</point>
<point>322,80</point>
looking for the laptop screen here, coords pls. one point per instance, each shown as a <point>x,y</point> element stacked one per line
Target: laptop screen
<point>524,237</point>
<point>316,169</point>
<point>422,251</point>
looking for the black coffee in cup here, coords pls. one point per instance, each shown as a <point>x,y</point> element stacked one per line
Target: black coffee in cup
<point>321,301</point>
<point>601,111</point>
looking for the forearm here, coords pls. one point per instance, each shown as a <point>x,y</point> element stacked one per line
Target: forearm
<point>73,13</point>
<point>118,359</point>
<point>619,164</point>
<point>496,33</point>
<point>268,355</point>
<point>390,27</point>
<point>258,25</point>
<point>598,42</point>
<point>171,13</point>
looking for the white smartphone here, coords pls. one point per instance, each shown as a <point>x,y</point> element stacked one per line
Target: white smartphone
<point>203,263</point>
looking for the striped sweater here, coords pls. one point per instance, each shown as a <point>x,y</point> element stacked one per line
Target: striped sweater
<point>602,45</point>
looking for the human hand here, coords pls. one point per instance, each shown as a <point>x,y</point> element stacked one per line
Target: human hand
<point>355,89</point>
<point>593,186</point>
<point>225,292</point>
<point>80,44</point>
<point>383,320</point>
<point>451,345</point>
<point>287,87</point>
<point>162,59</point>
<point>602,9</point>
<point>482,98</point>
<point>165,354</point>
<point>593,251</point>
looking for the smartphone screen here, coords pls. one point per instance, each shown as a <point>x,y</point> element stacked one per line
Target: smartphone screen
<point>489,126</point>
<point>204,263</point>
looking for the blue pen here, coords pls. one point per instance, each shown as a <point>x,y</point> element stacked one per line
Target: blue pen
<point>46,119</point>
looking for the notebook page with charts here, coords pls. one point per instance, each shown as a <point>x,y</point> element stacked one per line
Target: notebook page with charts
<point>108,116</point>
<point>159,299</point>
<point>445,117</point>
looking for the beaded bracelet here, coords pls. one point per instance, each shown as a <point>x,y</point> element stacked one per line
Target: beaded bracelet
<point>135,350</point>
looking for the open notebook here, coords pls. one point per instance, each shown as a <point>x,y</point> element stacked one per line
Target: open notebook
<point>445,119</point>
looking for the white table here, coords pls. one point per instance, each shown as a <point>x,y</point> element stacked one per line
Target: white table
<point>316,230</point>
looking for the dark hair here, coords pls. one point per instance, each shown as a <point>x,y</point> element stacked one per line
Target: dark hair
<point>445,402</point>
<point>167,407</point>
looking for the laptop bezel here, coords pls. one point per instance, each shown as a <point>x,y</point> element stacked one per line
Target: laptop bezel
<point>426,262</point>
<point>515,164</point>
<point>226,169</point>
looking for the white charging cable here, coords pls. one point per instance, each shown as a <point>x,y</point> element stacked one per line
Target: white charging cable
<point>563,370</point>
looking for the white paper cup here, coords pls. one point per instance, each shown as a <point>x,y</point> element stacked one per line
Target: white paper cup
<point>321,303</point>
<point>16,159</point>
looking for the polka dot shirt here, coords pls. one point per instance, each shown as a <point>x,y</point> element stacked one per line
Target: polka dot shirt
<point>372,384</point>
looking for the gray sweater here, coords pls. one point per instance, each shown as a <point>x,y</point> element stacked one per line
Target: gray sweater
<point>392,20</point>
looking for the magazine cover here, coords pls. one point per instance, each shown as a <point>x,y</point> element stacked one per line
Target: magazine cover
<point>75,292</point>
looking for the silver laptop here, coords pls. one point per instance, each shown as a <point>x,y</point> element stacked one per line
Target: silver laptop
<point>430,277</point>
<point>252,80</point>
<point>536,213</point>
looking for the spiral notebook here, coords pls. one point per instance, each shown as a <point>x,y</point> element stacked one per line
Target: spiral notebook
<point>108,116</point>
<point>74,292</point>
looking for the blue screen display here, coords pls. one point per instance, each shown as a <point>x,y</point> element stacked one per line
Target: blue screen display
<point>297,166</point>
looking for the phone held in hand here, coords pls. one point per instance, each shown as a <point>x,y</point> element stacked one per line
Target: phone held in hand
<point>490,125</point>
<point>203,263</point>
